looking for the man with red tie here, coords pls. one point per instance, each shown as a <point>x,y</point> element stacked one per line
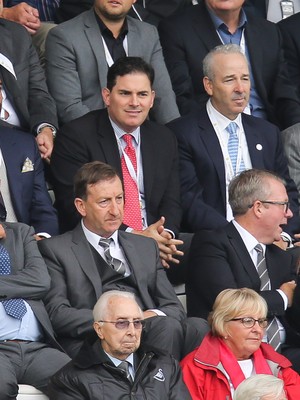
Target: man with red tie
<point>143,152</point>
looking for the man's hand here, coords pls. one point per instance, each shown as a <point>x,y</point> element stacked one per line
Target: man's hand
<point>288,289</point>
<point>45,143</point>
<point>2,232</point>
<point>25,15</point>
<point>166,244</point>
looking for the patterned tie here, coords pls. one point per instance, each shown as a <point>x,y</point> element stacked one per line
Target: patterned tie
<point>124,366</point>
<point>273,334</point>
<point>116,264</point>
<point>16,308</point>
<point>132,209</point>
<point>233,147</point>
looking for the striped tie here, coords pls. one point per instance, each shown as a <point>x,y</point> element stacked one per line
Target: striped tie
<point>124,366</point>
<point>114,263</point>
<point>273,334</point>
<point>233,147</point>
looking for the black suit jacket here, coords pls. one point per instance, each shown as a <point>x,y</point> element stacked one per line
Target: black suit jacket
<point>28,93</point>
<point>202,171</point>
<point>76,283</point>
<point>186,39</point>
<point>91,138</point>
<point>290,31</point>
<point>220,260</point>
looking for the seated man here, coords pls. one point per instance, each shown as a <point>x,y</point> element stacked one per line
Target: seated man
<point>122,136</point>
<point>96,257</point>
<point>24,98</point>
<point>242,254</point>
<point>211,154</point>
<point>112,365</point>
<point>29,352</point>
<point>79,53</point>
<point>23,188</point>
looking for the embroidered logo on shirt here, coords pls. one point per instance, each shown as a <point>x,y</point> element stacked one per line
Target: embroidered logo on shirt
<point>160,376</point>
<point>27,166</point>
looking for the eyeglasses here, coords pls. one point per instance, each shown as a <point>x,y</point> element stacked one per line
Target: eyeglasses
<point>124,324</point>
<point>249,322</point>
<point>286,204</point>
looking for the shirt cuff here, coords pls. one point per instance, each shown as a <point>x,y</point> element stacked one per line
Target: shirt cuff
<point>158,312</point>
<point>284,297</point>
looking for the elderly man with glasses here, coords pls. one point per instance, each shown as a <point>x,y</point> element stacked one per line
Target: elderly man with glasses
<point>111,363</point>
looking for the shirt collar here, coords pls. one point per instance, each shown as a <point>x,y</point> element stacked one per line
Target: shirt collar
<point>117,362</point>
<point>221,120</point>
<point>93,238</point>
<point>104,29</point>
<point>219,24</point>
<point>249,240</point>
<point>119,132</point>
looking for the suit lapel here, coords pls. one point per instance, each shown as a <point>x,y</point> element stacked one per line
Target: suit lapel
<point>14,92</point>
<point>108,142</point>
<point>83,254</point>
<point>254,142</point>
<point>135,264</point>
<point>148,154</point>
<point>10,155</point>
<point>202,22</point>
<point>94,37</point>
<point>213,148</point>
<point>242,254</point>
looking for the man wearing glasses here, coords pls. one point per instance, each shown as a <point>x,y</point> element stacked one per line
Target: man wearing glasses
<point>96,257</point>
<point>112,365</point>
<point>243,254</point>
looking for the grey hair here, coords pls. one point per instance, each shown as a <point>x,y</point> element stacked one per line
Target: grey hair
<point>101,307</point>
<point>249,186</point>
<point>260,387</point>
<point>208,61</point>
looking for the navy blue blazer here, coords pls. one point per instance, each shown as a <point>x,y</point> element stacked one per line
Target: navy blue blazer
<point>29,194</point>
<point>202,171</point>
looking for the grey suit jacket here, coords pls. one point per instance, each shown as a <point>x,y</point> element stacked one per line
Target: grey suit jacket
<point>29,279</point>
<point>76,283</point>
<point>29,92</point>
<point>76,66</point>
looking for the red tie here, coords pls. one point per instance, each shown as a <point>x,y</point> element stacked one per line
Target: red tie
<point>132,209</point>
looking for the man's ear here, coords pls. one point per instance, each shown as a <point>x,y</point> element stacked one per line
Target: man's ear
<point>207,83</point>
<point>80,206</point>
<point>106,96</point>
<point>98,329</point>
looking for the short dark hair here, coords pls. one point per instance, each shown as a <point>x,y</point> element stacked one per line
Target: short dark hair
<point>128,65</point>
<point>90,174</point>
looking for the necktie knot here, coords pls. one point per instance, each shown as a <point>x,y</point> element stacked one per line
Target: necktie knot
<point>232,129</point>
<point>124,366</point>
<point>127,139</point>
<point>105,243</point>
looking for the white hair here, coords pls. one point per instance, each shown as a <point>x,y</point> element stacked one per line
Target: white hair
<point>260,387</point>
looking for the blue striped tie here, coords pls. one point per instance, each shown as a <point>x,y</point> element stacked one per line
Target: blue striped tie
<point>16,308</point>
<point>233,146</point>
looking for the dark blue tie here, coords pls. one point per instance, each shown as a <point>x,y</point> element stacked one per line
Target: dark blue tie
<point>16,308</point>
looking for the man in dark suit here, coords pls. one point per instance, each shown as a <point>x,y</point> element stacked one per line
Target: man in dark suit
<point>99,136</point>
<point>26,333</point>
<point>187,38</point>
<point>290,30</point>
<point>82,267</point>
<point>24,99</point>
<point>205,164</point>
<point>228,257</point>
<point>23,186</point>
